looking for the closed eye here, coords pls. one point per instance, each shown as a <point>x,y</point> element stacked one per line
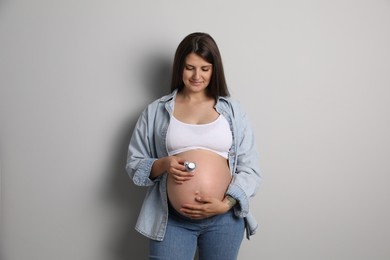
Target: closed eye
<point>204,68</point>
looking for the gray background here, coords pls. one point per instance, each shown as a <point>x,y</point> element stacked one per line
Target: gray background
<point>314,76</point>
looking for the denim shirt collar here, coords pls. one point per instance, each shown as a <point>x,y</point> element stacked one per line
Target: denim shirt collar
<point>170,104</point>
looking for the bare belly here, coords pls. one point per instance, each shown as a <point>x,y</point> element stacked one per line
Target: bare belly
<point>211,179</point>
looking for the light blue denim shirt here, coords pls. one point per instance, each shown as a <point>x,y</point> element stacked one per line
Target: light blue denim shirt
<point>148,143</point>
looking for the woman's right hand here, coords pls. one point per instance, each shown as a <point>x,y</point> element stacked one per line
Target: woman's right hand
<point>174,166</point>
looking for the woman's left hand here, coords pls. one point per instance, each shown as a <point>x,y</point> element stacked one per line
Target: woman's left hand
<point>208,208</point>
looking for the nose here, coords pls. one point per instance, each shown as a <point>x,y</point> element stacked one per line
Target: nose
<point>196,74</point>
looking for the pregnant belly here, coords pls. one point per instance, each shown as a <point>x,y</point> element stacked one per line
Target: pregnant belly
<point>211,179</point>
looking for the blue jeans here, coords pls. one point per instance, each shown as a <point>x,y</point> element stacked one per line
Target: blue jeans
<point>217,238</point>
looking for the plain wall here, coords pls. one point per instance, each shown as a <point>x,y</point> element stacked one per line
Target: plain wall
<point>314,77</point>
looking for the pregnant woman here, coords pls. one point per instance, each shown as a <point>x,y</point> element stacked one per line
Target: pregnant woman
<point>200,126</point>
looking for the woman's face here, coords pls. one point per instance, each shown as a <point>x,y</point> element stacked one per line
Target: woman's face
<point>197,73</point>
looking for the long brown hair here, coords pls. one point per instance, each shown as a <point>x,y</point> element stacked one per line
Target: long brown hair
<point>203,45</point>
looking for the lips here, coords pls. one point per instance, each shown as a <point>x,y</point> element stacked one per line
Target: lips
<point>196,83</point>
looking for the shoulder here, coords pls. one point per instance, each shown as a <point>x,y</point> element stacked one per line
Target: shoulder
<point>232,104</point>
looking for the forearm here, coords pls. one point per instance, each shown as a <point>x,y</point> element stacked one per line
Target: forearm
<point>158,168</point>
<point>229,201</point>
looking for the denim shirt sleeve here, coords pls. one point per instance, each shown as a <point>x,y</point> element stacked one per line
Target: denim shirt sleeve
<point>141,156</point>
<point>246,171</point>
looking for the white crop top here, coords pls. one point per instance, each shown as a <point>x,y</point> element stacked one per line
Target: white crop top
<point>215,136</point>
